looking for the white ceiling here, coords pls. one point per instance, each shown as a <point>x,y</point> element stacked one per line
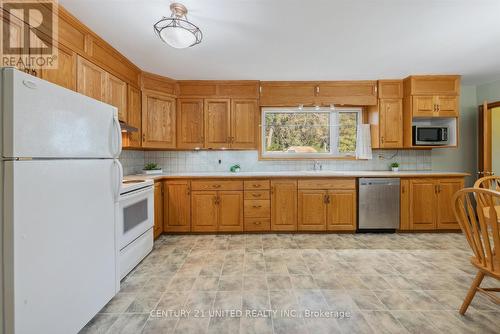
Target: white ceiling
<point>309,39</point>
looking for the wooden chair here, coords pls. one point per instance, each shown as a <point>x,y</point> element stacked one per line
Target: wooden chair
<point>479,221</point>
<point>488,182</point>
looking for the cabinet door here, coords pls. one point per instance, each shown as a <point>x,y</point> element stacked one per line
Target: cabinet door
<point>16,35</point>
<point>177,206</point>
<point>447,106</point>
<point>404,220</point>
<point>423,106</point>
<point>284,205</point>
<point>287,93</point>
<point>91,80</point>
<point>341,210</point>
<point>312,210</point>
<point>158,120</point>
<point>230,211</point>
<point>117,95</point>
<point>65,73</point>
<point>204,211</point>
<point>244,124</point>
<point>134,117</point>
<point>445,216</point>
<point>158,205</point>
<point>391,123</point>
<point>423,197</point>
<point>217,123</point>
<point>190,127</point>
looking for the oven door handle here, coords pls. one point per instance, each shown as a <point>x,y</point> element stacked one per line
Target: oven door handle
<point>118,177</point>
<point>137,193</point>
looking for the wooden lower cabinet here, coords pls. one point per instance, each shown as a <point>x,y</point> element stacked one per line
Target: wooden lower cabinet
<point>430,203</point>
<point>230,206</point>
<point>284,205</point>
<point>204,213</point>
<point>312,210</point>
<point>177,206</point>
<point>213,211</point>
<point>158,209</point>
<point>341,210</point>
<point>404,204</point>
<point>445,216</point>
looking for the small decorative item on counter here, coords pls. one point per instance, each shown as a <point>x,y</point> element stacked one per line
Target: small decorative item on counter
<point>235,168</point>
<point>152,168</point>
<point>395,166</point>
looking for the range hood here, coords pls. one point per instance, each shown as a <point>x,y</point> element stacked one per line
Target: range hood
<point>127,128</point>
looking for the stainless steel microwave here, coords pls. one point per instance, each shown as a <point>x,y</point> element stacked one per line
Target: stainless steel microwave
<point>430,135</point>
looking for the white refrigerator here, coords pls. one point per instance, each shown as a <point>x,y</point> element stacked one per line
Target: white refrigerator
<point>60,180</point>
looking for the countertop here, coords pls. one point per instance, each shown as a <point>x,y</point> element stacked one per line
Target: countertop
<point>283,174</point>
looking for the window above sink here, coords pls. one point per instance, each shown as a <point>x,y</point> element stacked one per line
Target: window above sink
<point>315,133</point>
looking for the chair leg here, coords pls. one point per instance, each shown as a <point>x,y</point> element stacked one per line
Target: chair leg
<point>472,292</point>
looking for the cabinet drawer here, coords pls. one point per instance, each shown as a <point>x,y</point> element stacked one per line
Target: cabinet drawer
<point>257,184</point>
<point>257,208</point>
<point>257,194</point>
<point>257,224</point>
<point>327,184</point>
<point>217,185</point>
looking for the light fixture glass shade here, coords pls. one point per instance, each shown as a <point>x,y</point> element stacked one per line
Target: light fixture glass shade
<point>176,30</point>
<point>178,37</point>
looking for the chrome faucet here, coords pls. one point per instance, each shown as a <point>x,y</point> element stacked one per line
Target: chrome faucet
<point>317,166</point>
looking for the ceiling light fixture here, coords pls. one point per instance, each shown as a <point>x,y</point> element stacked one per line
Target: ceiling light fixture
<point>176,30</point>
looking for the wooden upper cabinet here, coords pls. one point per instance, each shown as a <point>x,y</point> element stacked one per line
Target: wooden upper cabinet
<point>360,93</point>
<point>341,210</point>
<point>445,216</point>
<point>117,95</point>
<point>204,211</point>
<point>158,83</point>
<point>230,211</point>
<point>158,209</point>
<point>447,106</point>
<point>423,198</point>
<point>390,89</point>
<point>134,116</point>
<point>91,80</point>
<point>177,206</point>
<point>190,123</point>
<point>432,85</point>
<point>65,73</point>
<point>217,123</point>
<point>312,210</point>
<point>244,128</point>
<point>243,89</point>
<point>391,123</point>
<point>423,106</point>
<point>284,205</point>
<point>287,93</point>
<point>158,120</point>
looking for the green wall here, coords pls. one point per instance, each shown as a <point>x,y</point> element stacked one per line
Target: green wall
<point>463,158</point>
<point>489,92</point>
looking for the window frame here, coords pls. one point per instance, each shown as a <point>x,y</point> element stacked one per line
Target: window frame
<point>333,114</point>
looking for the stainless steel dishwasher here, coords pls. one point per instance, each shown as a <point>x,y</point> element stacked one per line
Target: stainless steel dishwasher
<point>378,204</point>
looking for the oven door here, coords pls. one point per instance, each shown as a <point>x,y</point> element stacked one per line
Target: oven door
<point>135,215</point>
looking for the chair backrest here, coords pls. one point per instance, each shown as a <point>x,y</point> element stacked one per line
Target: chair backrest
<point>488,182</point>
<point>479,222</point>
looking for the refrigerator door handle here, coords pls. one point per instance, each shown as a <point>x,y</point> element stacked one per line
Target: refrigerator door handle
<point>118,177</point>
<point>116,136</point>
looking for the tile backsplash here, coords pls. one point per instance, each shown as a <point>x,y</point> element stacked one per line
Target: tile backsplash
<point>220,161</point>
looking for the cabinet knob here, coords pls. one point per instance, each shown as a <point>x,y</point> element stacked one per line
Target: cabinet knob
<point>257,206</point>
<point>257,223</point>
<point>216,185</point>
<point>256,185</point>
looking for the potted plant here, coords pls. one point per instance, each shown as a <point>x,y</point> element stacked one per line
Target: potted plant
<point>152,168</point>
<point>395,166</point>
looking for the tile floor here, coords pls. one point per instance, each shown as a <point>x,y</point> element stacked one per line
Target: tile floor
<point>364,283</point>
